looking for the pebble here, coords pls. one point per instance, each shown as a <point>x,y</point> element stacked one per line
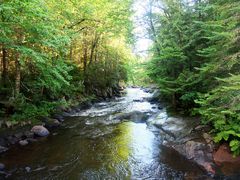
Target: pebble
<point>23,142</point>
<point>28,169</point>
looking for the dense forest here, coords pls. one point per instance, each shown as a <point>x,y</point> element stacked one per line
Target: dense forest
<point>59,52</point>
<point>56,52</point>
<point>196,60</point>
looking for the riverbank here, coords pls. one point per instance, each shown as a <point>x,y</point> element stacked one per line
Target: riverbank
<point>28,132</point>
<point>194,141</point>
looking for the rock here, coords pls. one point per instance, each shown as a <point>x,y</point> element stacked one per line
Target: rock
<point>199,128</point>
<point>136,116</point>
<point>19,135</point>
<point>224,155</point>
<point>28,134</point>
<point>2,166</point>
<point>109,92</point>
<point>40,131</point>
<point>31,140</point>
<point>60,108</point>
<point>12,139</point>
<point>198,152</point>
<point>208,138</point>
<point>155,97</point>
<point>3,149</point>
<point>8,124</point>
<point>28,169</point>
<point>86,105</point>
<point>176,127</point>
<point>138,100</point>
<point>66,114</point>
<point>228,164</point>
<point>3,142</point>
<point>23,142</point>
<point>58,117</point>
<point>76,109</point>
<point>51,123</point>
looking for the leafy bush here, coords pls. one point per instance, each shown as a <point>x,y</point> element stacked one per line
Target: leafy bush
<point>221,108</point>
<point>27,111</point>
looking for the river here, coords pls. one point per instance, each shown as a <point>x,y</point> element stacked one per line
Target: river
<point>95,144</point>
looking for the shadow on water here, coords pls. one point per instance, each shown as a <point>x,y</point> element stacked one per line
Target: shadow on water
<point>94,145</point>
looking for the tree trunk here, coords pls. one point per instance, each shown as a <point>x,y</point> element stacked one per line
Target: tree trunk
<point>94,45</point>
<point>71,51</point>
<point>85,52</point>
<point>152,28</point>
<point>17,74</point>
<point>4,66</point>
<point>20,38</point>
<point>85,56</point>
<point>174,102</point>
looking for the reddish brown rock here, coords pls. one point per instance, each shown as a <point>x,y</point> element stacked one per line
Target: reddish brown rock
<point>228,164</point>
<point>224,155</point>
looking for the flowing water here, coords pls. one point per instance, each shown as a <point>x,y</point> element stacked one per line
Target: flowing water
<point>94,144</point>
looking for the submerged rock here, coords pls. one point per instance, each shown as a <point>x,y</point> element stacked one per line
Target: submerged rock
<point>136,116</point>
<point>40,131</point>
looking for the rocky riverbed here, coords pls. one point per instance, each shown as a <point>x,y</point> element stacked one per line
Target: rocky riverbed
<point>127,137</point>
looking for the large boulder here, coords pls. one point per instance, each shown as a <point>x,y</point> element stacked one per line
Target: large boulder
<point>177,127</point>
<point>198,152</point>
<point>40,131</point>
<point>224,155</point>
<point>228,164</point>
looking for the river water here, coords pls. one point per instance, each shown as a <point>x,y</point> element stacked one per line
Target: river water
<point>95,144</point>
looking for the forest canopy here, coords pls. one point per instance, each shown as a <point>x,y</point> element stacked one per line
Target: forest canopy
<point>53,51</point>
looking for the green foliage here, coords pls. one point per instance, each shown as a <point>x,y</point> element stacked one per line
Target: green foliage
<point>221,107</point>
<point>137,72</point>
<point>25,111</point>
<point>195,61</point>
<point>58,50</point>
